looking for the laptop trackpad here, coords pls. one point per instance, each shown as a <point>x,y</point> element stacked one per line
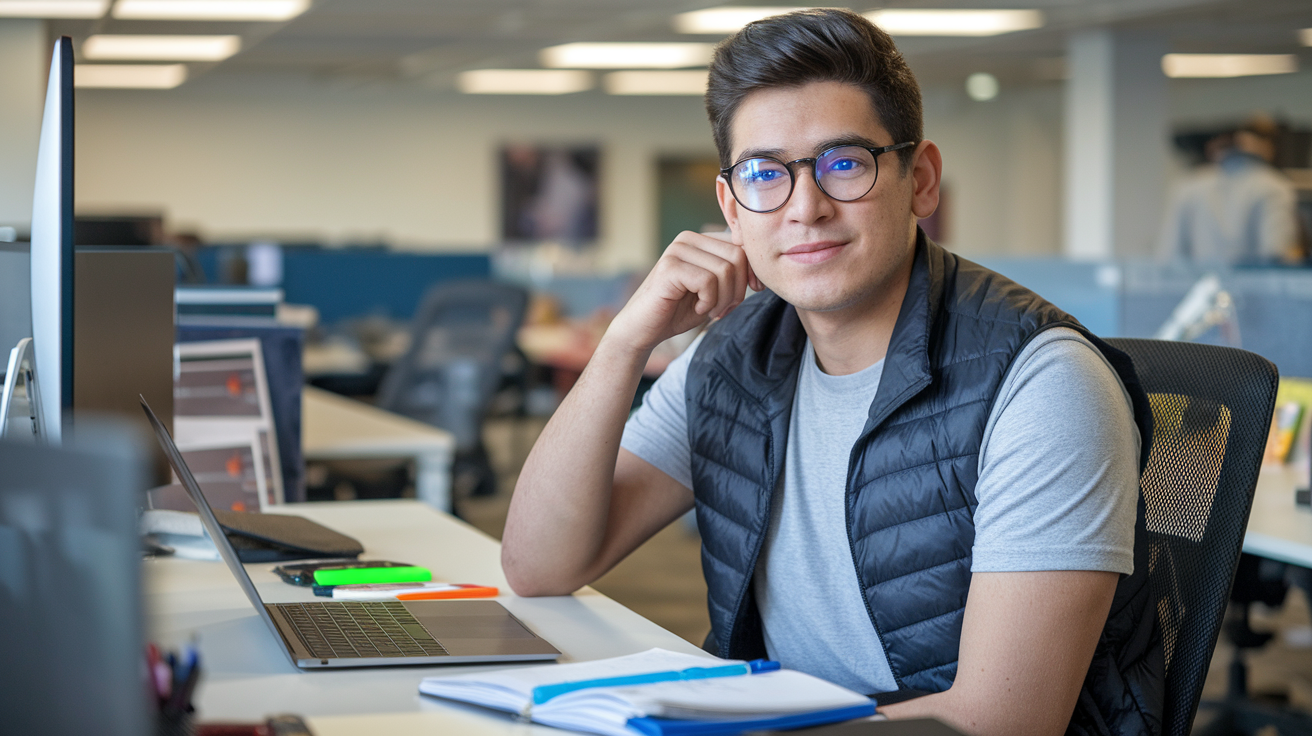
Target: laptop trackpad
<point>467,620</point>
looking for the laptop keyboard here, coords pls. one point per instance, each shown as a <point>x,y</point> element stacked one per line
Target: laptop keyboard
<point>360,629</point>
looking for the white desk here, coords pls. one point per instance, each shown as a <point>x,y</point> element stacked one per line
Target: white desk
<point>1279,529</point>
<point>337,428</point>
<point>247,676</point>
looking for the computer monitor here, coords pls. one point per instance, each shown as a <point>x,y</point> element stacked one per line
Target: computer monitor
<point>70,590</point>
<point>52,247</point>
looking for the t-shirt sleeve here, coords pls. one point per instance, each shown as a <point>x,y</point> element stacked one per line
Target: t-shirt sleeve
<point>1058,481</point>
<point>658,431</point>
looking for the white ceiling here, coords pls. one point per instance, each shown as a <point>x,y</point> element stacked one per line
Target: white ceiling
<point>430,40</point>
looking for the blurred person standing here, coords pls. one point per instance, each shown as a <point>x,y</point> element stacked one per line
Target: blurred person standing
<point>1239,209</point>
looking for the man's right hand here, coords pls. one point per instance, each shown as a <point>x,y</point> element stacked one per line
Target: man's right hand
<point>582,503</point>
<point>699,277</point>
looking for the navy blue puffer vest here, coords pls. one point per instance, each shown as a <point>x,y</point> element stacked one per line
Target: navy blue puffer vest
<point>911,478</point>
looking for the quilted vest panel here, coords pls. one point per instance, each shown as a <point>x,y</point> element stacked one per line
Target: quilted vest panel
<point>911,477</point>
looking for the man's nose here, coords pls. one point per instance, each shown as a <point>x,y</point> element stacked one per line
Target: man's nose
<point>808,202</point>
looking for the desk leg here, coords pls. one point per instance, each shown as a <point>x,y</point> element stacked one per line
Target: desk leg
<point>433,480</point>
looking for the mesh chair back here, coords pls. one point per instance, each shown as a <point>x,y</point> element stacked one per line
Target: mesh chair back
<point>1211,411</point>
<point>448,376</point>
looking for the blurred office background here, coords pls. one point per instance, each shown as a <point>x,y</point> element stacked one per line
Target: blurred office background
<point>355,153</point>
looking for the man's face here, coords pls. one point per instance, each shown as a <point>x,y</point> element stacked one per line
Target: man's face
<point>817,253</point>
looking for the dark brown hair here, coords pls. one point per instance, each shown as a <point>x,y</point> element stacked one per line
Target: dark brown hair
<point>822,45</point>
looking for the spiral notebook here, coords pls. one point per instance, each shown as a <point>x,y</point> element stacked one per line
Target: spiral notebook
<point>780,699</point>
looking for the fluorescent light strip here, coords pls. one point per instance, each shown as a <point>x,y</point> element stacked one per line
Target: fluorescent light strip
<point>161,48</point>
<point>899,22</point>
<point>627,55</point>
<point>724,20</point>
<point>523,81</point>
<point>657,83</point>
<point>53,8</point>
<point>129,76</point>
<point>253,10</point>
<point>1227,65</point>
<point>1305,36</point>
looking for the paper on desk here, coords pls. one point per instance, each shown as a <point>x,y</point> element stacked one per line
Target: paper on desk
<point>607,710</point>
<point>180,531</point>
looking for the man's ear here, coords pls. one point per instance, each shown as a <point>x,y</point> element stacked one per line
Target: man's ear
<point>927,175</point>
<point>729,208</point>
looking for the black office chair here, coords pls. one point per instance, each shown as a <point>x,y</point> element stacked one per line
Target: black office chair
<point>1211,410</point>
<point>460,337</point>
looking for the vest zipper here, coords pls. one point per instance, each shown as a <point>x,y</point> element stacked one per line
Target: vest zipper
<point>856,568</point>
<point>756,556</point>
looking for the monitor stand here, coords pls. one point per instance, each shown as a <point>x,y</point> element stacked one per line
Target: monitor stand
<point>20,413</point>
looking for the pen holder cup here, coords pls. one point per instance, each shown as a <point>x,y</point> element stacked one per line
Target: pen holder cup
<point>180,723</point>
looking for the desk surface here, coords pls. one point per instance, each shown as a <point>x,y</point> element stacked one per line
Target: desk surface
<point>337,427</point>
<point>247,675</point>
<point>1279,529</point>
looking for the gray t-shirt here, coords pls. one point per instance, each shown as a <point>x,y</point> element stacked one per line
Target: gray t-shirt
<point>1057,490</point>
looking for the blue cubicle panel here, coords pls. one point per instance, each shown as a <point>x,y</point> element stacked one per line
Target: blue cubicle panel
<point>346,283</point>
<point>1273,306</point>
<point>1087,291</point>
<point>353,282</point>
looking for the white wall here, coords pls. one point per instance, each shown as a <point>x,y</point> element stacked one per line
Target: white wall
<point>302,159</point>
<point>1002,168</point>
<point>311,159</point>
<point>24,67</point>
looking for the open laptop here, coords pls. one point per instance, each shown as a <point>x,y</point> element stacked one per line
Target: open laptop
<point>319,634</point>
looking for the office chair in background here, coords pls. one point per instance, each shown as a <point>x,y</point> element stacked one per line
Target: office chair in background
<point>462,333</point>
<point>1211,411</point>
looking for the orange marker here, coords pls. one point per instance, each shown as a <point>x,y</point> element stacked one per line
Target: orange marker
<point>455,590</point>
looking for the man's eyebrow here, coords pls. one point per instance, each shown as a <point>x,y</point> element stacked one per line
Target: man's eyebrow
<point>845,140</point>
<point>760,153</point>
<point>849,139</point>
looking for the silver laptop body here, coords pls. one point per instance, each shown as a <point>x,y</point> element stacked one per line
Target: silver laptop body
<point>320,634</point>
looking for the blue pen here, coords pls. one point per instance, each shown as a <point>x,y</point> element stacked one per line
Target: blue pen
<point>543,693</point>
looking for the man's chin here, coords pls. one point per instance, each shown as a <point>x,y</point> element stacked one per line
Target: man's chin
<point>817,301</point>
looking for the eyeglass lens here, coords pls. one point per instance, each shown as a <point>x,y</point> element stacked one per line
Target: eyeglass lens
<point>764,184</point>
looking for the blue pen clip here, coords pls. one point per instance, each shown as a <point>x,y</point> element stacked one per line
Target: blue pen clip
<point>543,693</point>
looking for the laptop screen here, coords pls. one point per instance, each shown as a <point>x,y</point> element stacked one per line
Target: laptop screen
<point>207,518</point>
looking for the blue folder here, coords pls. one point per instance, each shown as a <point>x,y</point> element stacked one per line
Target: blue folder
<point>679,727</point>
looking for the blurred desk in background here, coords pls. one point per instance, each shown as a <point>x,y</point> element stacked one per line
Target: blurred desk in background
<point>338,428</point>
<point>566,347</point>
<point>1278,528</point>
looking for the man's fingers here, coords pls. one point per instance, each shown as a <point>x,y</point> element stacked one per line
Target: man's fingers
<point>693,279</point>
<point>727,275</point>
<point>727,249</point>
<point>722,258</point>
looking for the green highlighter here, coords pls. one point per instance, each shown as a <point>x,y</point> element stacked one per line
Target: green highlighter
<point>357,575</point>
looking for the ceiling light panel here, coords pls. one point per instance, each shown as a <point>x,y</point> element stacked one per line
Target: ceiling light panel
<point>53,8</point>
<point>627,55</point>
<point>1228,65</point>
<point>129,76</point>
<point>1305,36</point>
<point>230,10</point>
<point>523,81</point>
<point>161,48</point>
<point>899,22</point>
<point>656,82</point>
<point>724,20</point>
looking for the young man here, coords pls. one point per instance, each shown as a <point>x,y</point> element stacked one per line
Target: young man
<point>912,476</point>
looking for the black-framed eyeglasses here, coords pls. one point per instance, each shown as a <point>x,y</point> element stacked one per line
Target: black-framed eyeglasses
<point>845,173</point>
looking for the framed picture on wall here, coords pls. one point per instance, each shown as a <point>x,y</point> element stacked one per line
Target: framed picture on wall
<point>686,191</point>
<point>549,193</point>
